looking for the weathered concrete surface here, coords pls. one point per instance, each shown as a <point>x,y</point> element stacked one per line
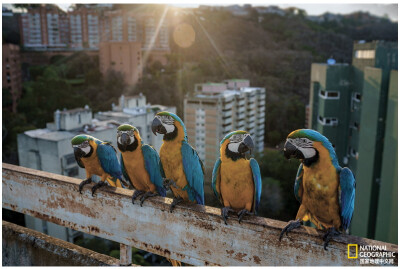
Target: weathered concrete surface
<point>26,247</point>
<point>192,234</point>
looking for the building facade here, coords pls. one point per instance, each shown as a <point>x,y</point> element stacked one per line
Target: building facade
<point>215,109</point>
<point>84,27</point>
<point>12,75</point>
<point>124,57</point>
<point>44,27</point>
<point>353,106</point>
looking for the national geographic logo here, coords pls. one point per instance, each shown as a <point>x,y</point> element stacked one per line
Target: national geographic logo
<point>351,247</point>
<point>371,254</point>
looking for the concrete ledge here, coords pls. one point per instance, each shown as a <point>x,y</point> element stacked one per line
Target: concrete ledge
<point>192,234</point>
<point>26,247</point>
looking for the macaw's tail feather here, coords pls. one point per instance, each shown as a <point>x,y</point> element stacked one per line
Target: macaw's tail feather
<point>175,262</point>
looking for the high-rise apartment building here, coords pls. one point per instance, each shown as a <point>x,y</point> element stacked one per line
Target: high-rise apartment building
<point>44,26</point>
<point>215,109</point>
<point>84,27</point>
<point>355,106</point>
<point>12,75</point>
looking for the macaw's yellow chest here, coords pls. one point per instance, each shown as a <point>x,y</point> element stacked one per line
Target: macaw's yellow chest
<point>237,186</point>
<point>321,194</point>
<point>136,170</point>
<point>92,166</point>
<point>171,159</point>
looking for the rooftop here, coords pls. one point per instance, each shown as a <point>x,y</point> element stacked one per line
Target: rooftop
<point>47,134</point>
<point>227,93</point>
<point>74,110</point>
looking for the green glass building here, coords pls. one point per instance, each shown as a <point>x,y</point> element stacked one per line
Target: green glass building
<point>355,107</point>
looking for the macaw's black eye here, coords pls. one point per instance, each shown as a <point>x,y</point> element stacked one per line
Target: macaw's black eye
<point>130,132</point>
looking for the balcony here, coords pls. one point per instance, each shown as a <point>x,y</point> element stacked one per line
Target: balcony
<point>193,234</point>
<point>241,110</point>
<point>227,128</point>
<point>240,123</point>
<point>227,106</point>
<point>251,106</point>
<point>240,116</point>
<point>251,98</point>
<point>227,120</point>
<point>261,102</point>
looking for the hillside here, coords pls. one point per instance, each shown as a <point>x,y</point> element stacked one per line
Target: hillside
<point>271,50</point>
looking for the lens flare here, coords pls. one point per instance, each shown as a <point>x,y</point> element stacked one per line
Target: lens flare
<point>184,35</point>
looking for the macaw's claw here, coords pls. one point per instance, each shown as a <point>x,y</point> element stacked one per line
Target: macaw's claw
<point>242,213</point>
<point>224,213</point>
<point>147,195</point>
<point>293,224</point>
<point>98,185</point>
<point>332,232</point>
<point>135,195</point>
<point>83,183</point>
<point>174,203</point>
<point>168,183</point>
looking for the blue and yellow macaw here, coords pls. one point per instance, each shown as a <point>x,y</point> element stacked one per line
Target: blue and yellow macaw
<point>236,181</point>
<point>183,168</point>
<point>98,158</point>
<point>140,164</point>
<point>325,190</point>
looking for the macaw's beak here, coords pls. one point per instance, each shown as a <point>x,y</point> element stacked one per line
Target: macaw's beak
<point>157,127</point>
<point>125,140</point>
<point>78,153</point>
<point>290,150</point>
<point>246,145</point>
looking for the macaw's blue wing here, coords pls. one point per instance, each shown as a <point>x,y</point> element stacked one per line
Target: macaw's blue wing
<point>255,169</point>
<point>347,196</point>
<point>152,164</point>
<point>298,186</point>
<point>108,160</point>
<point>124,173</point>
<point>216,180</point>
<point>193,168</point>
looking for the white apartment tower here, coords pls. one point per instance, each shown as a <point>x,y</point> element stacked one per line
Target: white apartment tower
<point>215,109</point>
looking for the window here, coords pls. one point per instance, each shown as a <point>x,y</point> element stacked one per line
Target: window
<point>328,121</point>
<point>364,54</point>
<point>329,94</point>
<point>333,94</point>
<point>356,96</point>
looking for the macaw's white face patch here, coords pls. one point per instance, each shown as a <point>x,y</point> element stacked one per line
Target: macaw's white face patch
<point>130,133</point>
<point>305,145</point>
<point>234,147</point>
<point>167,122</point>
<point>85,147</point>
<point>235,140</point>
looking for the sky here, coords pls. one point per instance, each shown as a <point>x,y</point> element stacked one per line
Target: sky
<point>315,8</point>
<point>312,9</point>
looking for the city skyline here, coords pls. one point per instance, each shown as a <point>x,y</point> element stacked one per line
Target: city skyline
<point>312,9</point>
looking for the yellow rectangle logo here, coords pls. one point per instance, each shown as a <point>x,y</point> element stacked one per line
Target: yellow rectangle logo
<point>348,251</point>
